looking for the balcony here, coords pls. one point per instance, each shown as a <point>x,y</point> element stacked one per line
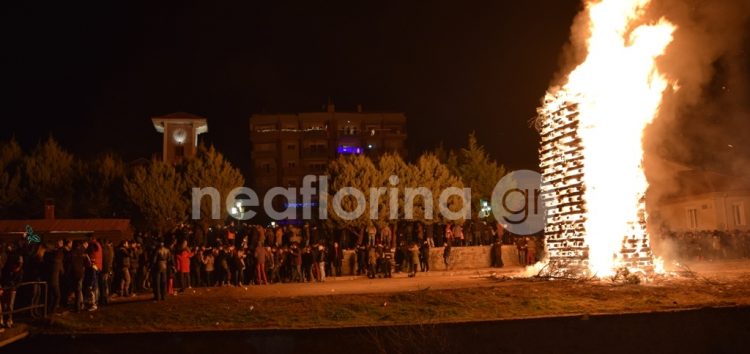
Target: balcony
<point>264,153</point>
<point>310,154</point>
<point>315,134</point>
<point>293,171</point>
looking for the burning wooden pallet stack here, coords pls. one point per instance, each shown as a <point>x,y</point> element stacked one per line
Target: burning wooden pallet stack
<point>561,162</point>
<point>563,192</point>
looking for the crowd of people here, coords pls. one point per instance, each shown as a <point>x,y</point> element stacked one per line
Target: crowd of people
<point>705,245</point>
<point>87,273</point>
<point>84,274</point>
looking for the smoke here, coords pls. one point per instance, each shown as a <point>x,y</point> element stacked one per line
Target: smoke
<point>703,123</point>
<point>708,61</point>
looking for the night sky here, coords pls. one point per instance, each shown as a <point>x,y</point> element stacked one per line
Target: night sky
<point>94,75</point>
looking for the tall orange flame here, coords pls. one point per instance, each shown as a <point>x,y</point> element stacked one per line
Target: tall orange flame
<point>620,90</point>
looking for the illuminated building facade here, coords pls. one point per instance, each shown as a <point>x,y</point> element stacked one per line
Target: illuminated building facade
<point>287,147</point>
<point>180,131</point>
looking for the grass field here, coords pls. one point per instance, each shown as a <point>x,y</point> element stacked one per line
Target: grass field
<point>475,299</point>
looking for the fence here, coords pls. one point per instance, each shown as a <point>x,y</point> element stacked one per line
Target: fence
<point>35,298</point>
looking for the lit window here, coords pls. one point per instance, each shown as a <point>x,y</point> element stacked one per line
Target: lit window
<point>349,150</point>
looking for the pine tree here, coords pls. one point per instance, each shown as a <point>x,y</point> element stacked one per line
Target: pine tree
<point>100,183</point>
<point>48,172</point>
<point>359,173</point>
<point>435,176</point>
<point>159,194</point>
<point>479,172</point>
<point>11,193</point>
<point>209,168</point>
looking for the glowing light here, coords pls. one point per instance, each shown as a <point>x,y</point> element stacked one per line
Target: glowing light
<point>618,90</point>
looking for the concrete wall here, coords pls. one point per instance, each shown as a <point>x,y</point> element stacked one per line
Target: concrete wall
<point>473,257</point>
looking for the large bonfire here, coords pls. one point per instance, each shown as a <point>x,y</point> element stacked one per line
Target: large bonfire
<point>592,129</point>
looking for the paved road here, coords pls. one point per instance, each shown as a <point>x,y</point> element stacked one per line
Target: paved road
<point>434,280</point>
<point>360,285</point>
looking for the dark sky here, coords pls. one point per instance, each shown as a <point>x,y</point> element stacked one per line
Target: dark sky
<point>93,75</point>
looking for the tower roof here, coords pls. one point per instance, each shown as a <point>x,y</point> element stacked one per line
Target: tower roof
<point>200,123</point>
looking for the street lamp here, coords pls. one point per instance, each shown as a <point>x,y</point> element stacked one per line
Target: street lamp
<point>237,209</point>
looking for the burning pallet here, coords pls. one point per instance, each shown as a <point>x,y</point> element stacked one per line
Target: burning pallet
<point>563,194</point>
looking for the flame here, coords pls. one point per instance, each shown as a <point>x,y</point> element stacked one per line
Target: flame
<point>621,91</point>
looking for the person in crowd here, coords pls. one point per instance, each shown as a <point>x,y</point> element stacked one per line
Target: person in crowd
<point>35,272</point>
<point>273,265</point>
<point>295,253</point>
<point>305,235</point>
<point>321,263</point>
<point>91,275</point>
<point>371,234</point>
<point>413,260</point>
<point>521,250</point>
<point>260,264</point>
<point>307,264</point>
<point>446,254</point>
<point>336,257</point>
<point>361,259</point>
<point>387,256</point>
<point>122,260</point>
<point>208,262</point>
<point>239,267</point>
<point>430,235</point>
<point>78,261</point>
<point>231,234</point>
<point>497,252</point>
<point>182,260</point>
<point>135,267</point>
<point>108,257</point>
<point>55,273</point>
<point>372,261</point>
<point>420,233</point>
<point>67,286</point>
<point>278,236</point>
<point>144,268</point>
<point>487,234</point>
<point>469,229</point>
<point>476,232</point>
<point>160,266</point>
<point>449,234</point>
<point>224,271</point>
<point>458,234</point>
<point>11,275</point>
<point>530,250</point>
<point>424,257</point>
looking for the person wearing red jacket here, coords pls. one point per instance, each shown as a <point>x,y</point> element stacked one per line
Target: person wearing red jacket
<point>183,266</point>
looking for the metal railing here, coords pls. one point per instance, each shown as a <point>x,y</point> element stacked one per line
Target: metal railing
<point>34,302</point>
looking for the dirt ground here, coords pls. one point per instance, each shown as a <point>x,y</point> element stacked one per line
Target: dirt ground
<point>436,297</point>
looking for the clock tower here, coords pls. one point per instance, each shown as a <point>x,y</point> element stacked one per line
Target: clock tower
<point>180,132</point>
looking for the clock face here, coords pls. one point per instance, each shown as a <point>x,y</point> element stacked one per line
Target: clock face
<point>179,136</point>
